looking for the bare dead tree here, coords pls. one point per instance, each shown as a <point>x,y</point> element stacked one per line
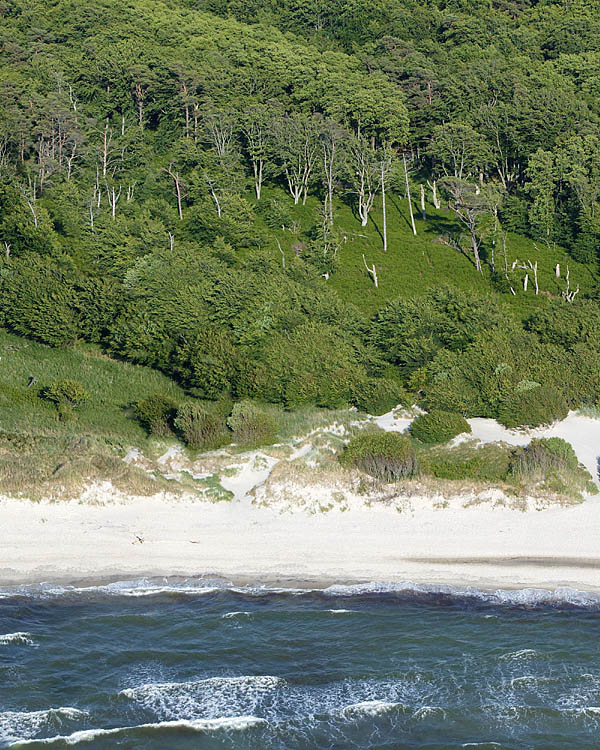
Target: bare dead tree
<point>528,266</point>
<point>363,169</point>
<point>282,254</point>
<point>113,198</point>
<point>372,271</point>
<point>435,198</point>
<point>331,137</point>
<point>106,149</point>
<point>30,202</point>
<point>296,148</point>
<point>385,168</point>
<point>423,211</point>
<point>257,128</point>
<point>178,185</point>
<point>568,294</point>
<point>130,190</point>
<point>469,204</point>
<point>412,218</point>
<point>91,206</point>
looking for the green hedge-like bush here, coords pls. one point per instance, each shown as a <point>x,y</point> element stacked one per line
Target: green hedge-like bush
<point>201,428</point>
<point>251,425</point>
<point>156,413</point>
<point>439,426</point>
<point>378,395</point>
<point>532,407</point>
<point>387,456</point>
<point>543,455</point>
<point>483,463</point>
<point>38,300</point>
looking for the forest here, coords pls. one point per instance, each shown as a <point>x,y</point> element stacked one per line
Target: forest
<point>305,202</point>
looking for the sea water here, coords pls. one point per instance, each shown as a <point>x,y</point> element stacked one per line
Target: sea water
<point>198,664</point>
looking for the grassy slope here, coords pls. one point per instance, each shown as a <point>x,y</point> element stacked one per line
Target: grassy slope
<point>413,265</point>
<point>112,386</point>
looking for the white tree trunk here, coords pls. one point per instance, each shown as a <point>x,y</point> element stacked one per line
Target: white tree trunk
<point>383,207</point>
<point>412,218</point>
<point>372,271</point>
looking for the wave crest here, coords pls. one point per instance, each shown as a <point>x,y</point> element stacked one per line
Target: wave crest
<point>18,725</point>
<point>198,586</point>
<point>17,639</point>
<point>227,724</point>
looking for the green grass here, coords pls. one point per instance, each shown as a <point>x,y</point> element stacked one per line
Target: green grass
<point>302,421</point>
<point>415,264</point>
<point>112,386</point>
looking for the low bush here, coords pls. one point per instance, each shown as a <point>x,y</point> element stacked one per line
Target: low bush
<point>544,455</point>
<point>251,425</point>
<point>201,427</point>
<point>378,395</point>
<point>438,426</point>
<point>484,463</point>
<point>532,406</point>
<point>156,413</point>
<point>65,393</point>
<point>387,456</point>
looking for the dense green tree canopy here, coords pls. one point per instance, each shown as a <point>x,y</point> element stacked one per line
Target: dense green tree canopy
<point>172,176</point>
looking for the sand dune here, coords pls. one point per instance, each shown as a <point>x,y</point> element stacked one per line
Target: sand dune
<point>484,544</point>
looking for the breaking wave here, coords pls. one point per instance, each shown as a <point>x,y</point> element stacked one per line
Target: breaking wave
<point>17,639</point>
<point>226,724</point>
<point>200,587</point>
<point>15,725</point>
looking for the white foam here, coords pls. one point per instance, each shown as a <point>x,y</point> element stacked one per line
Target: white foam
<point>425,712</point>
<point>529,597</point>
<point>524,597</point>
<point>370,708</point>
<point>209,698</point>
<point>26,724</point>
<point>18,639</point>
<point>134,588</point>
<point>231,615</point>
<point>340,611</point>
<point>226,723</point>
<point>524,653</point>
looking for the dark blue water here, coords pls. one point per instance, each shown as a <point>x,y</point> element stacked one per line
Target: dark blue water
<point>191,665</point>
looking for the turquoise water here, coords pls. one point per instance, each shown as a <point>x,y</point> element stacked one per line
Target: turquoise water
<point>192,664</point>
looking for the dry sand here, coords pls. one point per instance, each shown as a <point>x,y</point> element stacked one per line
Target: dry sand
<point>487,545</point>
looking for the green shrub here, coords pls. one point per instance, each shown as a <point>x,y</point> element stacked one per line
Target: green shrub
<point>207,362</point>
<point>251,425</point>
<point>38,299</point>
<point>378,395</point>
<point>201,427</point>
<point>485,463</point>
<point>65,393</point>
<point>387,456</point>
<point>544,455</point>
<point>315,364</point>
<point>156,413</point>
<point>439,426</point>
<point>275,213</point>
<point>532,405</point>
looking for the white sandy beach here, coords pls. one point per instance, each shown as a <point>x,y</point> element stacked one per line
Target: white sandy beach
<point>425,540</point>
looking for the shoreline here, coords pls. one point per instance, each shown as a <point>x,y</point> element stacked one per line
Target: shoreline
<point>274,583</point>
<point>486,546</point>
